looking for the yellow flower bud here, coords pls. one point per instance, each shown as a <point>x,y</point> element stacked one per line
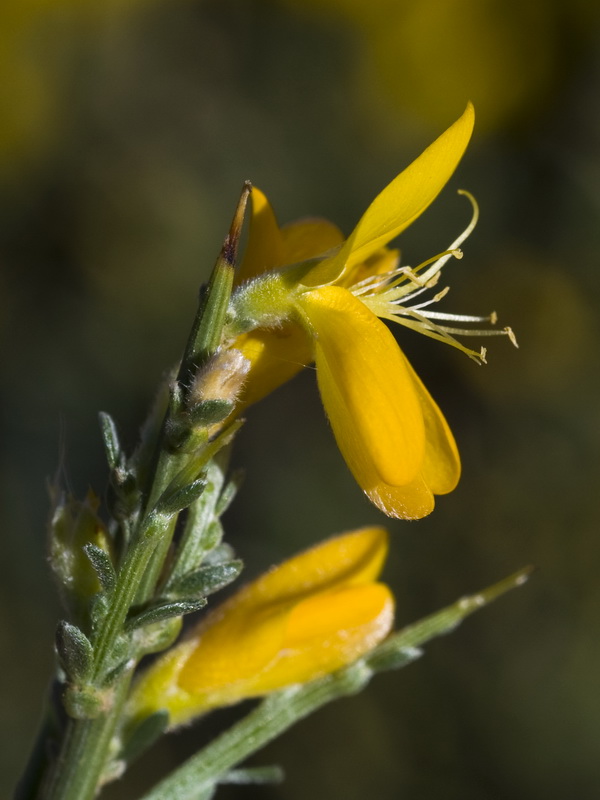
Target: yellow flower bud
<point>310,616</point>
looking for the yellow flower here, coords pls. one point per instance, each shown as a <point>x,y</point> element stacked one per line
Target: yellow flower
<point>305,295</point>
<point>310,616</point>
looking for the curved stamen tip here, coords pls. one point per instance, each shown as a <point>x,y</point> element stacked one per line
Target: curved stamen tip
<point>511,335</point>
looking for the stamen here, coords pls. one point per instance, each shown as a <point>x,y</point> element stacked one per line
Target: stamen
<point>491,318</point>
<point>383,294</point>
<point>435,299</point>
<point>422,280</point>
<point>437,266</point>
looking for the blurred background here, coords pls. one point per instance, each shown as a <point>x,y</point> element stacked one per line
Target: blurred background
<point>127,128</point>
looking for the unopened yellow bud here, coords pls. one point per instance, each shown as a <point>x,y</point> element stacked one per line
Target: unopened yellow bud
<point>310,616</point>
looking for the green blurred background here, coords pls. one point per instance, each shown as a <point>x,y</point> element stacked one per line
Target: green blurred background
<point>126,130</point>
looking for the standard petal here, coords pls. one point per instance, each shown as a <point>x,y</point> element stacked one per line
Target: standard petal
<point>366,388</point>
<point>401,202</point>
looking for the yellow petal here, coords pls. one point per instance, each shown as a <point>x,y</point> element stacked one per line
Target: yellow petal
<point>401,202</point>
<point>441,467</point>
<point>309,238</point>
<point>265,248</point>
<point>410,502</point>
<point>270,246</point>
<point>413,500</point>
<point>366,388</point>
<point>350,559</point>
<point>326,632</point>
<point>275,357</point>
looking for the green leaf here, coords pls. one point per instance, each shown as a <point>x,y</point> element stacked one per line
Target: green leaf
<point>175,499</point>
<point>164,611</point>
<point>198,536</point>
<point>74,650</point>
<point>102,564</point>
<point>210,411</point>
<point>394,657</point>
<point>254,775</point>
<point>229,492</point>
<point>220,554</point>
<point>110,437</point>
<point>207,579</point>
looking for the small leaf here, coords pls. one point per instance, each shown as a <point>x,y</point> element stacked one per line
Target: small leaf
<point>174,500</point>
<point>229,492</point>
<point>164,611</point>
<point>209,412</point>
<point>220,554</point>
<point>144,735</point>
<point>255,775</point>
<point>391,656</point>
<point>206,580</point>
<point>103,566</point>
<point>74,651</point>
<point>213,536</point>
<point>110,437</point>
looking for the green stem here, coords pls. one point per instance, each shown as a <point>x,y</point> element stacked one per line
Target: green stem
<point>82,760</point>
<point>269,720</point>
<point>130,575</point>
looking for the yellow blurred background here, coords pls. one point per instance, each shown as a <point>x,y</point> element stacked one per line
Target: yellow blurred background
<point>126,131</point>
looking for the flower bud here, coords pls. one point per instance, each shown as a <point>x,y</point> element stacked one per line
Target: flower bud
<point>310,616</point>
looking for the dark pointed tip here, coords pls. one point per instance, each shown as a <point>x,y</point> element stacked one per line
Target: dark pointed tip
<point>230,245</point>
